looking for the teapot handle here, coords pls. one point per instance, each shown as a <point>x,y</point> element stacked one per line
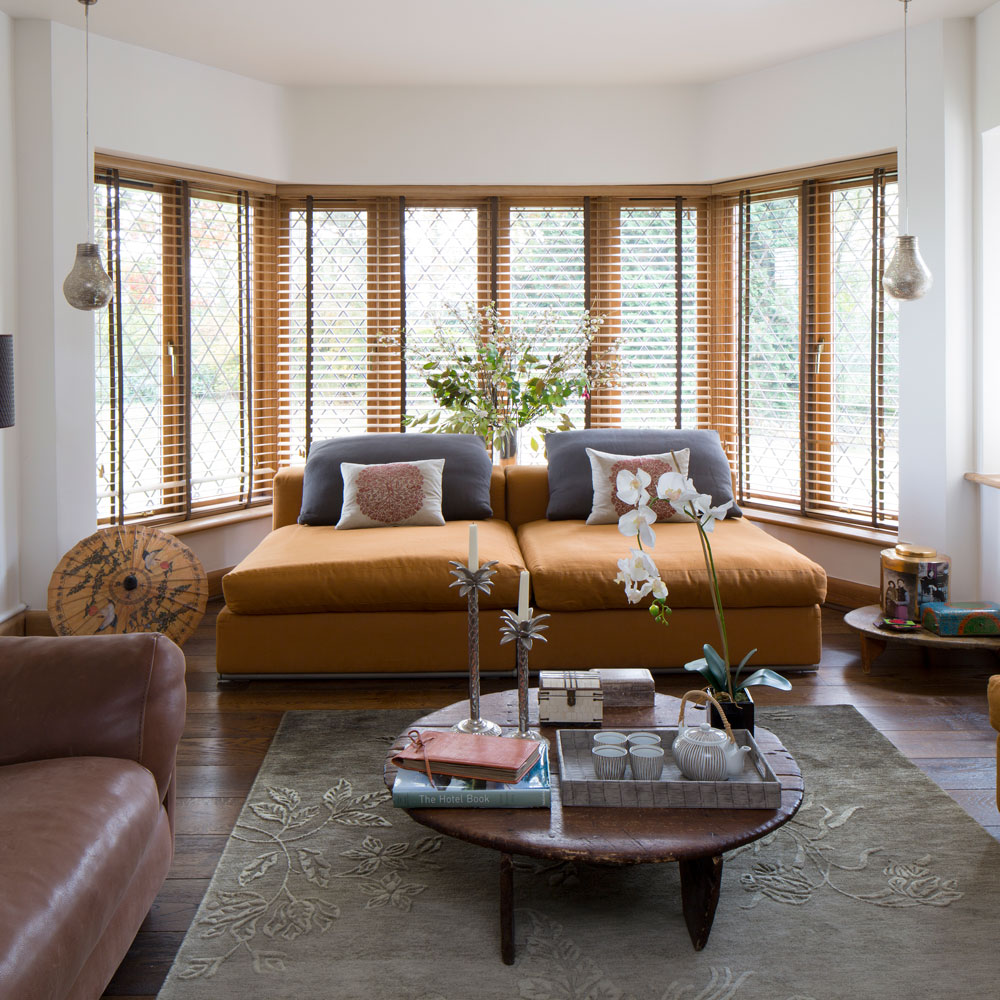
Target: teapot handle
<point>704,697</point>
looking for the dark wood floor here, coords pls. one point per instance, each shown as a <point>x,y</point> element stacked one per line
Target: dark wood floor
<point>935,712</point>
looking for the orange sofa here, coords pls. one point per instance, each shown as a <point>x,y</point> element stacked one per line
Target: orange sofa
<point>313,600</point>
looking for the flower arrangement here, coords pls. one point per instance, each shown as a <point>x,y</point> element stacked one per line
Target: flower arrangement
<point>491,378</point>
<point>641,578</point>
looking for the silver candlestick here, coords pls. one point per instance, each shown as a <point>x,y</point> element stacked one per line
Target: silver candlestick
<point>469,583</point>
<point>524,632</point>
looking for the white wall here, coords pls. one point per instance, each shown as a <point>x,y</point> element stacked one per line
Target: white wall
<point>157,107</point>
<point>986,152</point>
<point>937,443</point>
<point>495,135</point>
<point>9,501</point>
<point>838,104</point>
<point>826,107</point>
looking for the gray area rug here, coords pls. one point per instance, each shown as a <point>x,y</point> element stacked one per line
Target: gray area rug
<point>881,887</point>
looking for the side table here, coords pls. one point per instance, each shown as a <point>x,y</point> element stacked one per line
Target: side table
<point>875,639</point>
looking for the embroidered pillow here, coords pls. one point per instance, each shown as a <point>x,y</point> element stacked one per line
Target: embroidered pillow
<point>377,496</point>
<point>571,493</point>
<point>604,471</point>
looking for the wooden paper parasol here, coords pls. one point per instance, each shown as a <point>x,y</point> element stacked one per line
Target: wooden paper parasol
<point>131,578</point>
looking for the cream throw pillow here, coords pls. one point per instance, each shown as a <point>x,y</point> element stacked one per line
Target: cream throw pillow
<point>376,496</point>
<point>604,469</point>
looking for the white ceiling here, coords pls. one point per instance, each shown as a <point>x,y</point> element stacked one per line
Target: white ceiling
<point>366,42</point>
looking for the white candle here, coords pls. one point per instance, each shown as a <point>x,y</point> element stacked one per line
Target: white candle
<point>522,597</point>
<point>473,546</point>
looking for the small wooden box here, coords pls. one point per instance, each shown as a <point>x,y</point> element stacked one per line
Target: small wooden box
<point>630,688</point>
<point>570,696</point>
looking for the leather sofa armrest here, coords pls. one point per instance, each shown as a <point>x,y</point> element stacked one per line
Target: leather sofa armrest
<point>93,696</point>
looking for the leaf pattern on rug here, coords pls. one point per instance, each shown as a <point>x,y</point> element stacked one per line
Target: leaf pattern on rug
<point>569,973</point>
<point>276,898</point>
<point>815,863</point>
<point>572,975</point>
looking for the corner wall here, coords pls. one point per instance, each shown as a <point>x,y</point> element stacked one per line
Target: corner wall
<point>10,553</point>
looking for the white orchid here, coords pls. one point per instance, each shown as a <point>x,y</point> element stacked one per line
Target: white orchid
<point>677,490</point>
<point>638,523</point>
<point>636,567</point>
<point>631,486</point>
<point>681,493</point>
<point>708,515</point>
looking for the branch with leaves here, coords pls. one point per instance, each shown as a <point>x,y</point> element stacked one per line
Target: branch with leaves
<point>490,377</point>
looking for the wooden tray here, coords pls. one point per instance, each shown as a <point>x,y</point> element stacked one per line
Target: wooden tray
<point>579,786</point>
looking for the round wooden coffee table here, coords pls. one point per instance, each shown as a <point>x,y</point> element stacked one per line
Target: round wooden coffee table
<point>694,838</point>
<point>874,639</point>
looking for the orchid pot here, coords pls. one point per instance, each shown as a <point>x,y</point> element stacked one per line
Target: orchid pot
<point>739,714</point>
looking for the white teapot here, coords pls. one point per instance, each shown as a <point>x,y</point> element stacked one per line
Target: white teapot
<point>706,754</point>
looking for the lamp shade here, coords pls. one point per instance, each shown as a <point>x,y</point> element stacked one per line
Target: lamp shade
<point>906,277</point>
<point>87,286</point>
<point>6,380</point>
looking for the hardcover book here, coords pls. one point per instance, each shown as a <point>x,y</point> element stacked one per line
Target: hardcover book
<point>463,755</point>
<point>412,790</point>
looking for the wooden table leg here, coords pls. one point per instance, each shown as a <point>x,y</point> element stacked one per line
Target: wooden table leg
<point>507,909</point>
<point>871,650</point>
<point>700,882</point>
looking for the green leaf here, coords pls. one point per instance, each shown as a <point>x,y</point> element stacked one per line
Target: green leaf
<point>701,666</point>
<point>718,667</point>
<point>767,678</point>
<point>743,663</point>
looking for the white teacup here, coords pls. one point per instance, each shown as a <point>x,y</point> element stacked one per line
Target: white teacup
<point>643,739</point>
<point>646,762</point>
<point>609,762</point>
<point>608,738</point>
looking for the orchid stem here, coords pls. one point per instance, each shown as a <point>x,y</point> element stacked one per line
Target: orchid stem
<point>720,619</point>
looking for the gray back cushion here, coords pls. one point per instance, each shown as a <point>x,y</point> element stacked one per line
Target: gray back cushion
<point>571,491</point>
<point>465,483</point>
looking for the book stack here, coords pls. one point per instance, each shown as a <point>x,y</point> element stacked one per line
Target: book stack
<point>471,772</point>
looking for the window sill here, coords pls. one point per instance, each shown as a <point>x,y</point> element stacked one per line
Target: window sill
<point>216,520</point>
<point>984,479</point>
<point>854,532</point>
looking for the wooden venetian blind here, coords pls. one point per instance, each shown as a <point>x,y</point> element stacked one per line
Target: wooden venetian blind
<point>340,317</point>
<point>798,285</point>
<point>447,266</point>
<point>648,278</point>
<point>185,412</point>
<point>541,272</point>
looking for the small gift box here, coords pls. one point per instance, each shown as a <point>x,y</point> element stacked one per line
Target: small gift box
<point>630,688</point>
<point>570,696</point>
<point>961,617</point>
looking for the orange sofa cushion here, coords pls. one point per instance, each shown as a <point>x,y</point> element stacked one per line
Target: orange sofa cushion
<point>573,566</point>
<point>301,569</point>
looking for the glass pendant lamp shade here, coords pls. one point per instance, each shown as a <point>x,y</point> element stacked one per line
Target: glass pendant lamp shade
<point>87,286</point>
<point>906,276</point>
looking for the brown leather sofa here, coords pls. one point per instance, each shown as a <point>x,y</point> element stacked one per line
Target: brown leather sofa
<point>89,728</point>
<point>314,600</point>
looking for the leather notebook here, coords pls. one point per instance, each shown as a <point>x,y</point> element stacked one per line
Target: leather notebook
<point>463,755</point>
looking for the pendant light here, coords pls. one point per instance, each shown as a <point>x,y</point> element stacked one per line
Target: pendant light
<point>88,286</point>
<point>906,276</point>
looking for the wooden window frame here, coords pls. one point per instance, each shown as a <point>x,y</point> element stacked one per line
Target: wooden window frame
<point>716,327</point>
